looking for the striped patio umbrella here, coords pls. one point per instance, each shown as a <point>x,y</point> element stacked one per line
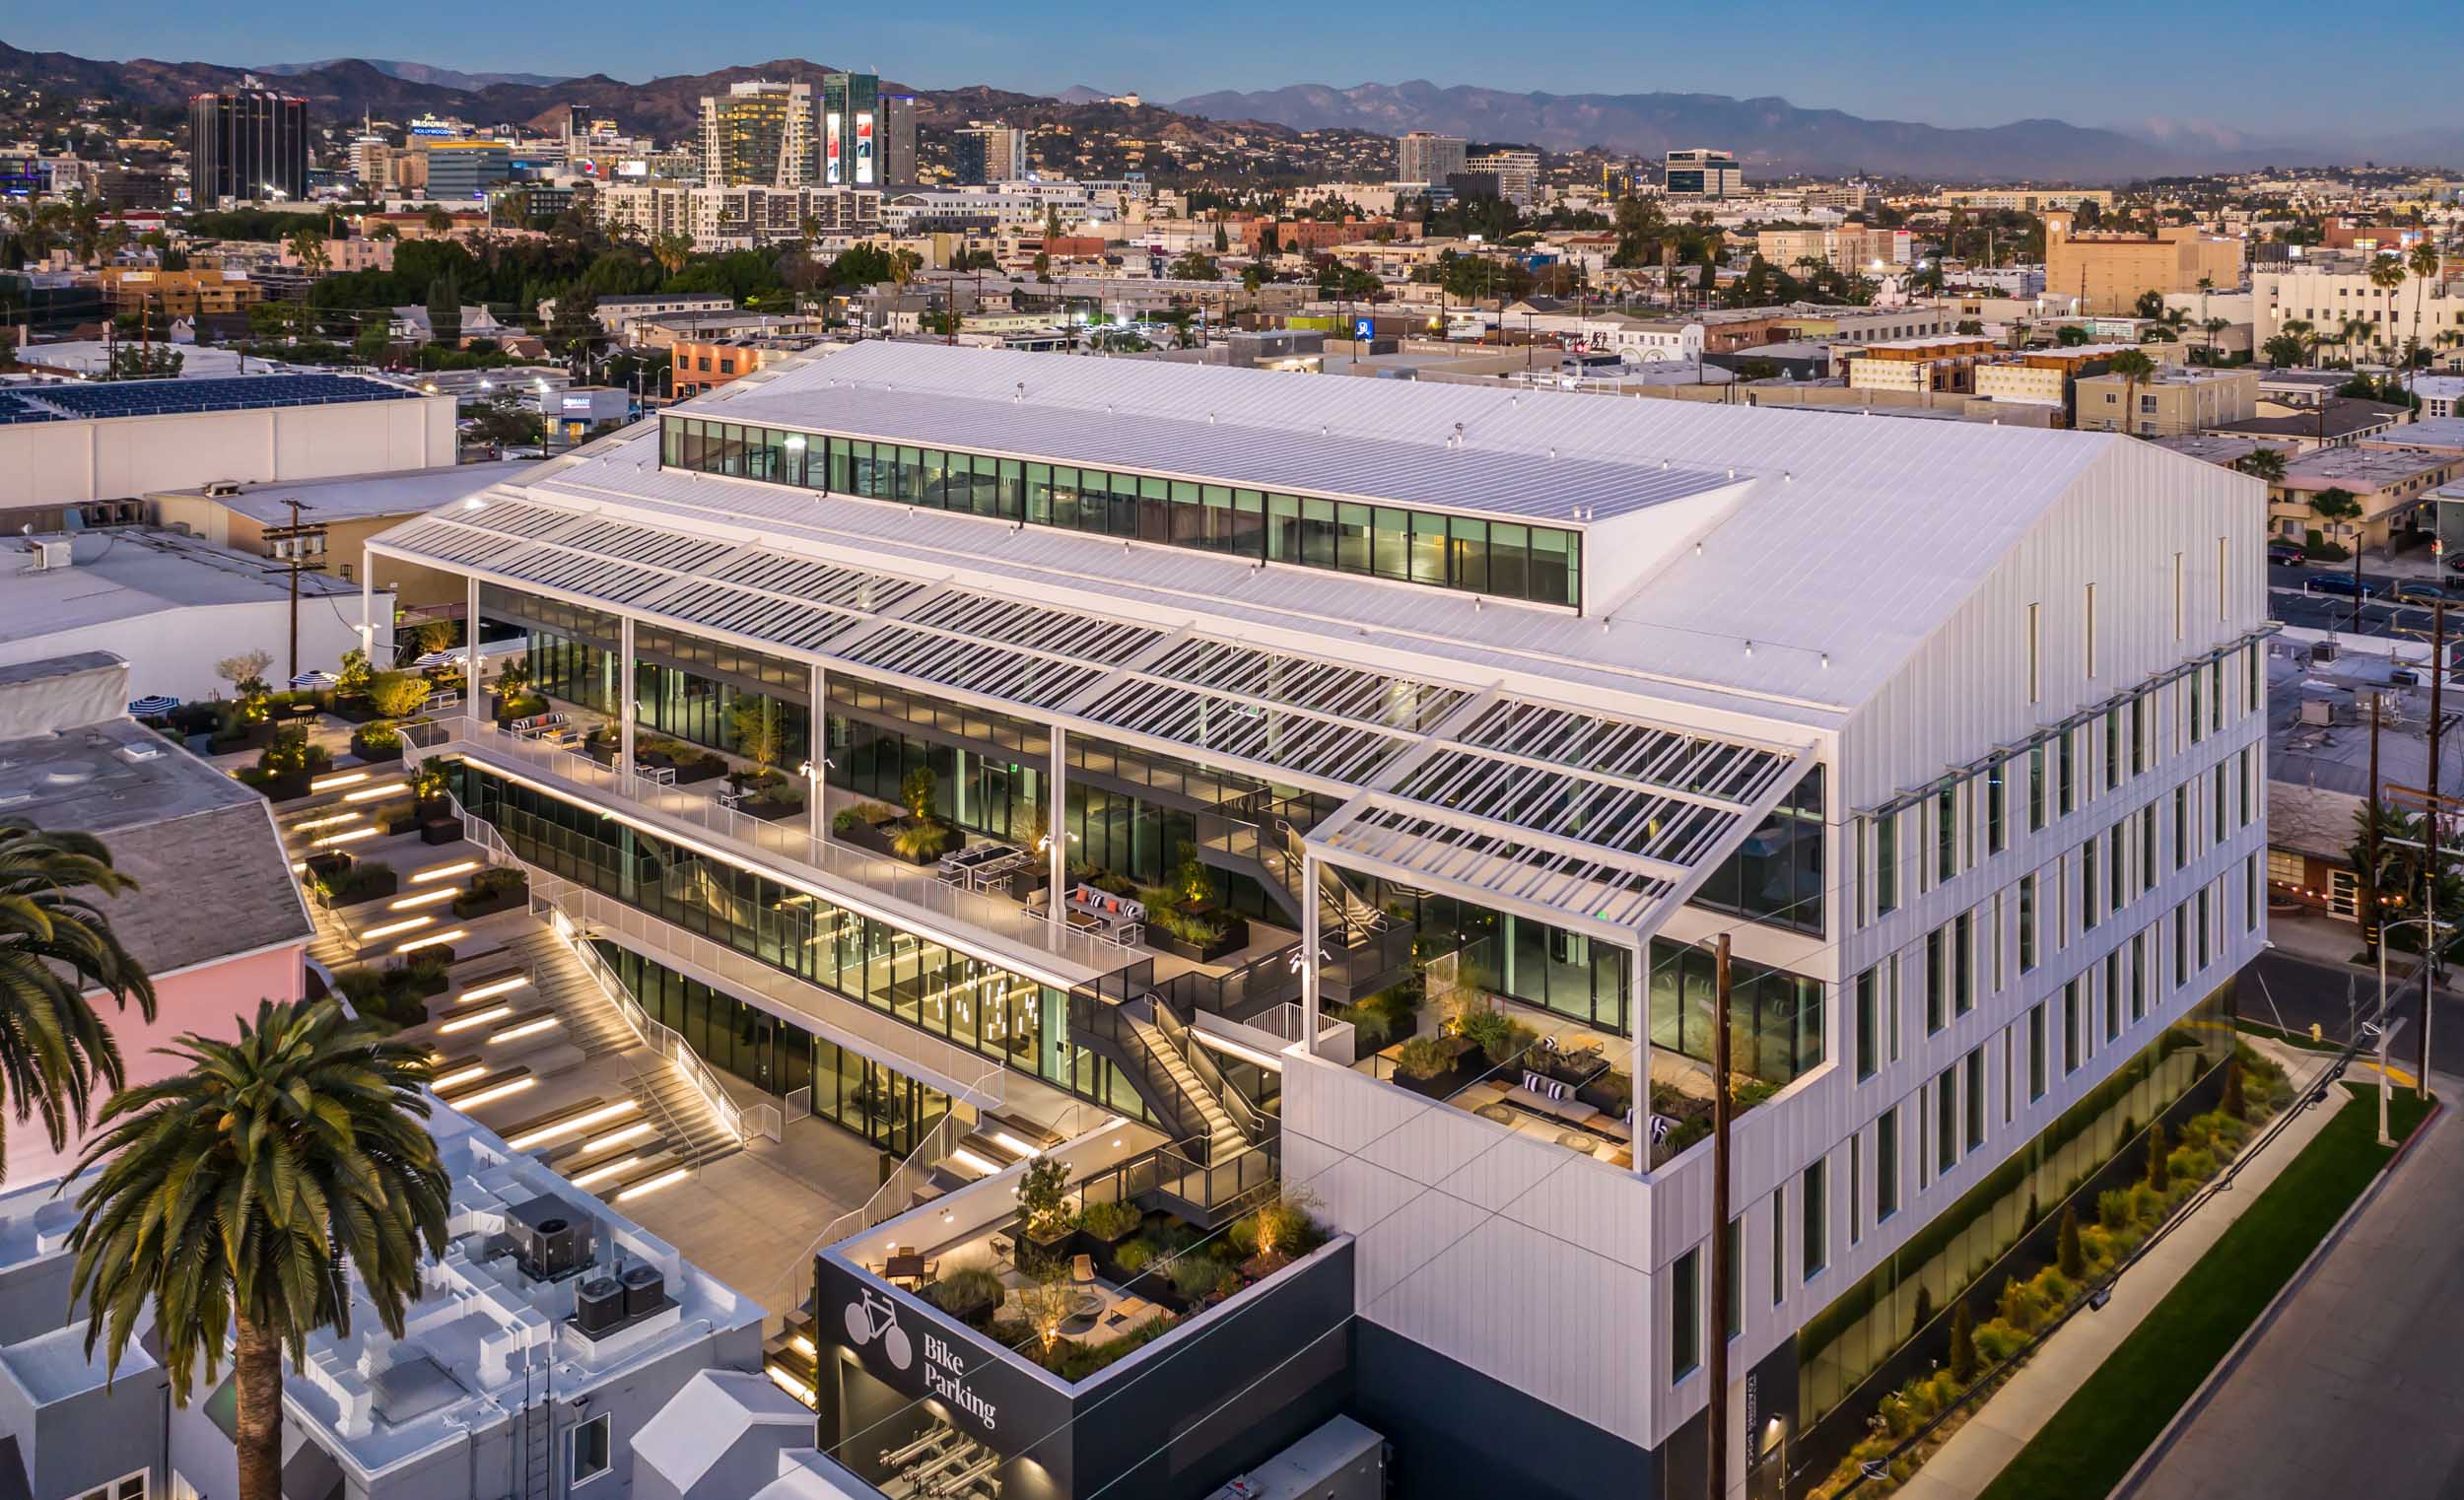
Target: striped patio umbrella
<point>315,680</point>
<point>151,705</point>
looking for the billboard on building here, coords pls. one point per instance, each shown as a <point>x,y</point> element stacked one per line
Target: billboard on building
<point>863,151</point>
<point>830,165</point>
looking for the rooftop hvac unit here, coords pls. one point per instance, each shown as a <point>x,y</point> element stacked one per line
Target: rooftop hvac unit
<point>49,555</point>
<point>644,1289</point>
<point>2318,711</point>
<point>599,1304</point>
<point>2323,650</point>
<point>550,1237</point>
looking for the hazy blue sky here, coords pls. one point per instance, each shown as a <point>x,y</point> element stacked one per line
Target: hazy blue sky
<point>2088,61</point>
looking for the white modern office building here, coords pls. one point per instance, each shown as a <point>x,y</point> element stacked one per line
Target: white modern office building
<point>1508,701</point>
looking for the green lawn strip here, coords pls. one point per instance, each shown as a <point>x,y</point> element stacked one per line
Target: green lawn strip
<point>2109,1421</point>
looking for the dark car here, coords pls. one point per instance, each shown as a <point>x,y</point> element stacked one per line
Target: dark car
<point>2286,554</point>
<point>2343,584</point>
<point>2423,593</point>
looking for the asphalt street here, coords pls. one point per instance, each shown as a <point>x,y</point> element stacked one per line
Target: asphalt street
<point>2354,1388</point>
<point>2296,992</point>
<point>2294,600</point>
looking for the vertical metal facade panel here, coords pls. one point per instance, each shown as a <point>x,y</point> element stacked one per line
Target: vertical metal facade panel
<point>1504,1252</point>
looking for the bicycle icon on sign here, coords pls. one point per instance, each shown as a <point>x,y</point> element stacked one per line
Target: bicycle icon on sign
<point>873,1317</point>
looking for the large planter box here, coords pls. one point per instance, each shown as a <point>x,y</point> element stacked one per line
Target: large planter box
<point>376,754</point>
<point>1235,937</point>
<point>875,837</point>
<point>446,829</point>
<point>772,812</point>
<point>358,711</point>
<point>468,908</point>
<point>708,769</point>
<point>380,883</point>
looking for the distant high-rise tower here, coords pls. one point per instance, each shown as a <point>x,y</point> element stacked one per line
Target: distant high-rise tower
<point>760,134</point>
<point>1701,173</point>
<point>1423,156</point>
<point>867,133</point>
<point>249,143</point>
<point>983,153</point>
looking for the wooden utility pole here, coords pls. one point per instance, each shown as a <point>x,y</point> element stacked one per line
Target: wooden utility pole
<point>1721,1291</point>
<point>291,542</point>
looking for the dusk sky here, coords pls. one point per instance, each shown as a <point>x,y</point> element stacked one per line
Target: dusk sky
<point>2090,62</point>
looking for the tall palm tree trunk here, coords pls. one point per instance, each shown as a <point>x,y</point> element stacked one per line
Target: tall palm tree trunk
<point>257,1366</point>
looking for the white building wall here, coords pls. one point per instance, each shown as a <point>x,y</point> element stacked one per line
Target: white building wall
<point>45,463</point>
<point>173,650</point>
<point>1548,1271</point>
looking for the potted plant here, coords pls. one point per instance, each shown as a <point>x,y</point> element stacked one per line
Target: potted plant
<point>1181,917</point>
<point>376,742</point>
<point>865,825</point>
<point>286,765</point>
<point>920,837</point>
<point>972,1294</point>
<point>431,809</point>
<point>357,883</point>
<point>350,683</point>
<point>491,890</point>
<point>1043,1222</point>
<point>1110,1224</point>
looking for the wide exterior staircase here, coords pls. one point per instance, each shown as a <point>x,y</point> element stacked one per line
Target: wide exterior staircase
<point>526,1036</point>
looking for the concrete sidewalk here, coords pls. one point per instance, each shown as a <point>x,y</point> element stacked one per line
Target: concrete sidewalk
<point>2013,1415</point>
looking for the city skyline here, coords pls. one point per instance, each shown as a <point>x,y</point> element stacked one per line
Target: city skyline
<point>2223,87</point>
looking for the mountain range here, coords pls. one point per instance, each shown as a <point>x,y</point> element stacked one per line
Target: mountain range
<point>1771,134</point>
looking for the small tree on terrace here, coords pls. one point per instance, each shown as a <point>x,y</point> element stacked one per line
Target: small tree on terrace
<point>760,733</point>
<point>397,695</point>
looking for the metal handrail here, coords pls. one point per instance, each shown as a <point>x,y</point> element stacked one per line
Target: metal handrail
<point>1110,1021</point>
<point>1251,1121</point>
<point>544,889</point>
<point>874,874</point>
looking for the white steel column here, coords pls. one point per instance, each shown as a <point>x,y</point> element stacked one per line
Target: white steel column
<point>1057,832</point>
<point>1638,1016</point>
<point>624,696</point>
<point>470,646</point>
<point>1310,901</point>
<point>816,753</point>
<point>368,607</point>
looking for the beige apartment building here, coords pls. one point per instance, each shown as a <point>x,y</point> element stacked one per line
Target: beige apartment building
<point>2328,298</point>
<point>1847,248</point>
<point>1918,363</point>
<point>2043,376</point>
<point>2108,272</point>
<point>2393,484</point>
<point>2177,399</point>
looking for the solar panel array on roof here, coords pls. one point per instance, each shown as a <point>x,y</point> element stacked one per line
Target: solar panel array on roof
<point>20,408</point>
<point>155,398</point>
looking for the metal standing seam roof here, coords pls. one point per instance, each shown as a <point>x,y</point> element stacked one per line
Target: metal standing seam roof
<point>1606,817</point>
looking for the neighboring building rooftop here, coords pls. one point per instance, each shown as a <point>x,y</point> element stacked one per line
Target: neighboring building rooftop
<point>128,572</point>
<point>2219,449</point>
<point>354,497</point>
<point>2343,417</point>
<point>2371,466</point>
<point>2446,432</point>
<point>487,1328</point>
<point>70,402</point>
<point>73,762</point>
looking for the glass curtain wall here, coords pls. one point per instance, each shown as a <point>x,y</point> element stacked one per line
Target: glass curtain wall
<point>1004,1017</point>
<point>1508,560</point>
<point>877,1103</point>
<point>1873,1321</point>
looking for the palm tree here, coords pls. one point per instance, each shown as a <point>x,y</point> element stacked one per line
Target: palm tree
<point>2263,463</point>
<point>55,947</point>
<point>2387,274</point>
<point>2355,332</point>
<point>233,1195</point>
<point>2425,262</point>
<point>2133,367</point>
<point>2302,332</point>
<point>2207,284</point>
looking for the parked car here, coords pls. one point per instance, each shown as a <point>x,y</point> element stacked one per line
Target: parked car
<point>2423,593</point>
<point>2286,554</point>
<point>2343,584</point>
<point>2456,562</point>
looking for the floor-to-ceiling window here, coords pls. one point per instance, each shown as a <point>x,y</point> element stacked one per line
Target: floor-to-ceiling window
<point>1001,1015</point>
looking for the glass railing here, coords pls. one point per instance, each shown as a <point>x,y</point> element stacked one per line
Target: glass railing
<point>790,842</point>
<point>1203,1193</point>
